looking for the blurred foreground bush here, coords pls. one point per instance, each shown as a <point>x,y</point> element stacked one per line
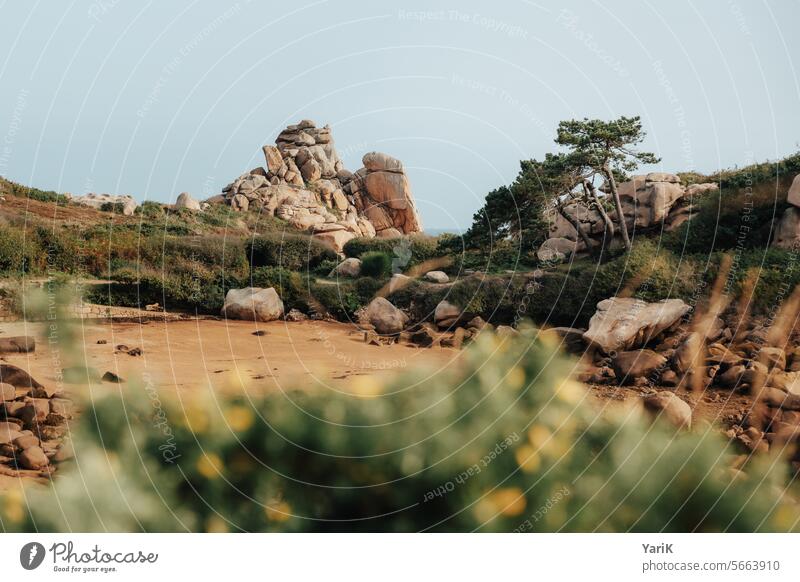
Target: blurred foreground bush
<point>500,443</point>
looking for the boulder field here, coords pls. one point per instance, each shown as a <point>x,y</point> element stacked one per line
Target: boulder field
<point>33,422</point>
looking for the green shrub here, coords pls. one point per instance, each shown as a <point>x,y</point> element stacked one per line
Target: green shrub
<point>62,249</point>
<point>376,264</point>
<point>181,289</point>
<point>725,221</point>
<point>758,173</point>
<point>292,251</point>
<point>19,254</point>
<point>115,207</point>
<point>324,268</point>
<point>338,299</point>
<point>225,254</point>
<point>150,210</point>
<point>405,252</point>
<point>15,189</point>
<point>482,446</point>
<point>290,285</point>
<point>569,295</point>
<point>366,288</point>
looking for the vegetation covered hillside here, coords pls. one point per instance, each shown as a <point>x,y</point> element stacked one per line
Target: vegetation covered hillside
<point>186,260</point>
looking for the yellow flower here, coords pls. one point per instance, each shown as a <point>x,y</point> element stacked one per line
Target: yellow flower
<point>527,459</point>
<point>538,434</point>
<point>557,447</point>
<point>366,386</point>
<point>235,381</point>
<point>484,510</point>
<point>239,418</point>
<point>509,501</point>
<point>279,511</point>
<point>570,392</point>
<point>209,465</point>
<point>515,378</point>
<point>785,518</point>
<point>215,524</point>
<point>195,420</point>
<point>14,506</point>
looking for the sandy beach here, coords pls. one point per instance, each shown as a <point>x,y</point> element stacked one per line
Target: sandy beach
<point>222,355</point>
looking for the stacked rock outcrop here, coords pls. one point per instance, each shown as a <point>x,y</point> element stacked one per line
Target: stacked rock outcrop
<point>305,183</point>
<point>655,200</point>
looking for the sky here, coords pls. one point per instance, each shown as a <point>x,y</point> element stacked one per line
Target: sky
<point>156,98</point>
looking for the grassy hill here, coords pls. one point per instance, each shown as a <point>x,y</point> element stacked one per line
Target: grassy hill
<point>187,260</point>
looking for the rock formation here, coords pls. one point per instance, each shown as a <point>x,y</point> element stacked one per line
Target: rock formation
<point>97,201</point>
<point>787,231</point>
<point>622,323</point>
<point>656,200</point>
<point>305,183</point>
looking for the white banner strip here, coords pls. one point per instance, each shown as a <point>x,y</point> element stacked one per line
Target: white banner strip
<point>401,557</point>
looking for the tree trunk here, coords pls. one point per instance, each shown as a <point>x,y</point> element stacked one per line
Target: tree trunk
<point>591,194</point>
<point>576,224</point>
<point>618,204</point>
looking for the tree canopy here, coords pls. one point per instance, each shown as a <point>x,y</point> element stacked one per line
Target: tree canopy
<point>592,148</point>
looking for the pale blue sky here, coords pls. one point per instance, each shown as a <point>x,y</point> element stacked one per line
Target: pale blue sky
<point>155,98</point>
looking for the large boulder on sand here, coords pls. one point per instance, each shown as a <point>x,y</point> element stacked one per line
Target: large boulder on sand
<point>385,317</point>
<point>622,323</point>
<point>253,304</point>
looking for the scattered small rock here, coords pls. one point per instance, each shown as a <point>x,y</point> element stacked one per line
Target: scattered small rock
<point>296,315</point>
<point>437,277</point>
<point>671,407</point>
<point>33,458</point>
<point>7,392</point>
<point>113,378</point>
